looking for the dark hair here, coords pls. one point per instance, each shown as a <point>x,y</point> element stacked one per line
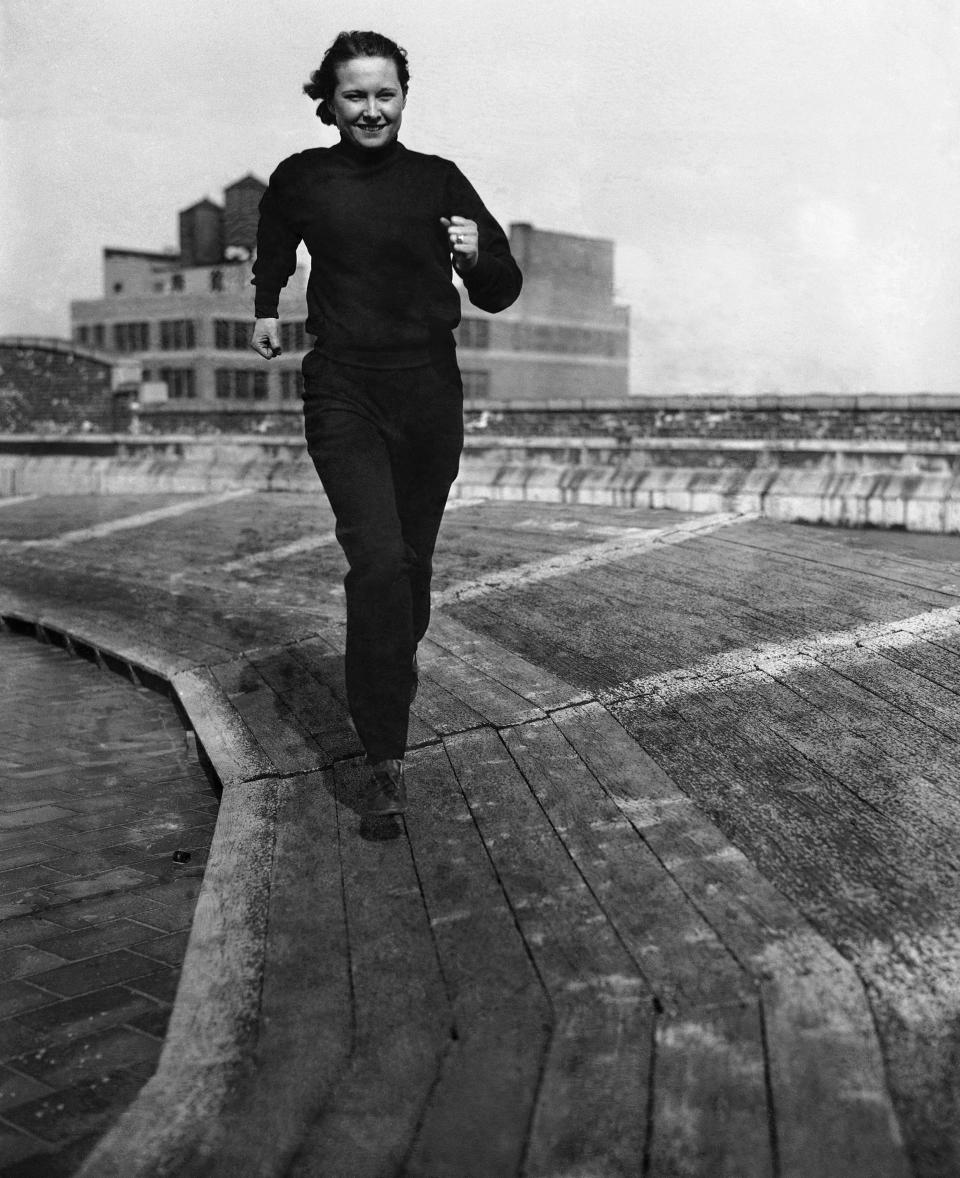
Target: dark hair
<point>345,48</point>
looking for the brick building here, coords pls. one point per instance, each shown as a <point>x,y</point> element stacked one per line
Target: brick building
<point>186,318</point>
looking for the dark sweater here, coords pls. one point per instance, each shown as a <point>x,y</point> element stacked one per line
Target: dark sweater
<point>380,292</point>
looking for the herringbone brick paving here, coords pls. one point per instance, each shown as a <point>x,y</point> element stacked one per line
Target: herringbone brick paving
<point>99,787</point>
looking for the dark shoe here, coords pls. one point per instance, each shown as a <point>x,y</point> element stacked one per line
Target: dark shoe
<point>386,791</point>
<point>415,678</point>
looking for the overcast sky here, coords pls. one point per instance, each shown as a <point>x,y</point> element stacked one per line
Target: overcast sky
<point>781,177</point>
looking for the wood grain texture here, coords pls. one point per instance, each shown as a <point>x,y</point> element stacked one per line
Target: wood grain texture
<point>305,690</point>
<point>476,1122</point>
<point>491,700</point>
<point>590,1111</point>
<point>710,1111</point>
<point>401,1014</point>
<point>290,747</point>
<point>527,679</point>
<point>814,1004</point>
<point>323,655</point>
<point>667,938</point>
<point>229,742</point>
<point>305,999</point>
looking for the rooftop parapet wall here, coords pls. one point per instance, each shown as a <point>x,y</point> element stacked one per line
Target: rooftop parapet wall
<point>884,484</point>
<point>911,418</point>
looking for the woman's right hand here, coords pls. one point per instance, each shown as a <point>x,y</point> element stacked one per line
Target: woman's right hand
<point>266,338</point>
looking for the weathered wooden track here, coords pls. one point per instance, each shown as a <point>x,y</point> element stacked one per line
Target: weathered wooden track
<point>677,890</point>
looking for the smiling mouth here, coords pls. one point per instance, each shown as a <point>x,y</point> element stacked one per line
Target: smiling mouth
<point>378,127</point>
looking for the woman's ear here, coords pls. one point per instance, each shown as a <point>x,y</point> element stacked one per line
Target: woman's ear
<point>325,114</point>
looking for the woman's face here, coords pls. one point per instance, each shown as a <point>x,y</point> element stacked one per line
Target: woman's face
<point>368,101</point>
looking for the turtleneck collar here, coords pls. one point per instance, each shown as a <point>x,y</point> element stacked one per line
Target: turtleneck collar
<point>367,156</point>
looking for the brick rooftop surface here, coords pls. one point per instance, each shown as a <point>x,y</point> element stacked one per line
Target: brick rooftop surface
<point>100,786</point>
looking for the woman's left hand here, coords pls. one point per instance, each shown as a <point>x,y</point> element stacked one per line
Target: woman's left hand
<point>464,242</point>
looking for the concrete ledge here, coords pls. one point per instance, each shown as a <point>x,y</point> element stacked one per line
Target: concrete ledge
<point>929,503</point>
<point>853,484</point>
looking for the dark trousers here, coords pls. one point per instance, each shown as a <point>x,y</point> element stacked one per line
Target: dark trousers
<point>386,445</point>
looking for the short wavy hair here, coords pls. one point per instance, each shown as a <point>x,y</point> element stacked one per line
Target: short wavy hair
<point>347,46</point>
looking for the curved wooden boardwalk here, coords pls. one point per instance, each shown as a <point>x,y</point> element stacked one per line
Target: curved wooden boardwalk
<point>677,891</point>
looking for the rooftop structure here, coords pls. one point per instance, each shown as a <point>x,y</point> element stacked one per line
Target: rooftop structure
<point>186,317</point>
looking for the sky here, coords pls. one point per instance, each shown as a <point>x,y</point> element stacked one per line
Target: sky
<point>781,177</point>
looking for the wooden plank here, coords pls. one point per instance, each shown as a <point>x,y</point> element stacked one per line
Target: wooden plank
<point>526,679</point>
<point>216,534</point>
<point>402,1018</point>
<point>834,1113</point>
<point>590,1113</point>
<point>330,642</point>
<point>228,615</point>
<point>826,1072</point>
<point>710,1112</point>
<point>476,1121</point>
<point>540,644</point>
<point>276,729</point>
<point>630,616</point>
<point>39,517</point>
<point>711,1116</point>
<point>492,700</point>
<point>918,709</point>
<point>501,515</point>
<point>798,823</point>
<point>787,588</point>
<point>842,866</point>
<point>93,603</point>
<point>900,767</point>
<point>234,751</point>
<point>658,613</point>
<point>928,657</point>
<point>443,711</point>
<point>305,1018</point>
<point>811,546</point>
<point>312,703</point>
<point>910,958</point>
<point>322,657</point>
<point>598,628</point>
<point>684,962</point>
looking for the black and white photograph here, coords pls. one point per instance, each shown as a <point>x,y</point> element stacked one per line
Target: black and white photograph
<point>480,589</point>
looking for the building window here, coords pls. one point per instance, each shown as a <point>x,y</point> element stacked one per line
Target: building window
<point>476,383</point>
<point>131,337</point>
<point>578,341</point>
<point>231,334</point>
<point>180,382</point>
<point>291,385</point>
<point>176,282</point>
<point>240,384</point>
<point>117,287</point>
<point>177,334</point>
<point>82,334</point>
<point>474,333</point>
<point>216,280</point>
<point>293,337</point>
<point>99,335</point>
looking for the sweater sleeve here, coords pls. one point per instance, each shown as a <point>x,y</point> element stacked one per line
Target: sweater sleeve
<point>276,259</point>
<point>495,282</point>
